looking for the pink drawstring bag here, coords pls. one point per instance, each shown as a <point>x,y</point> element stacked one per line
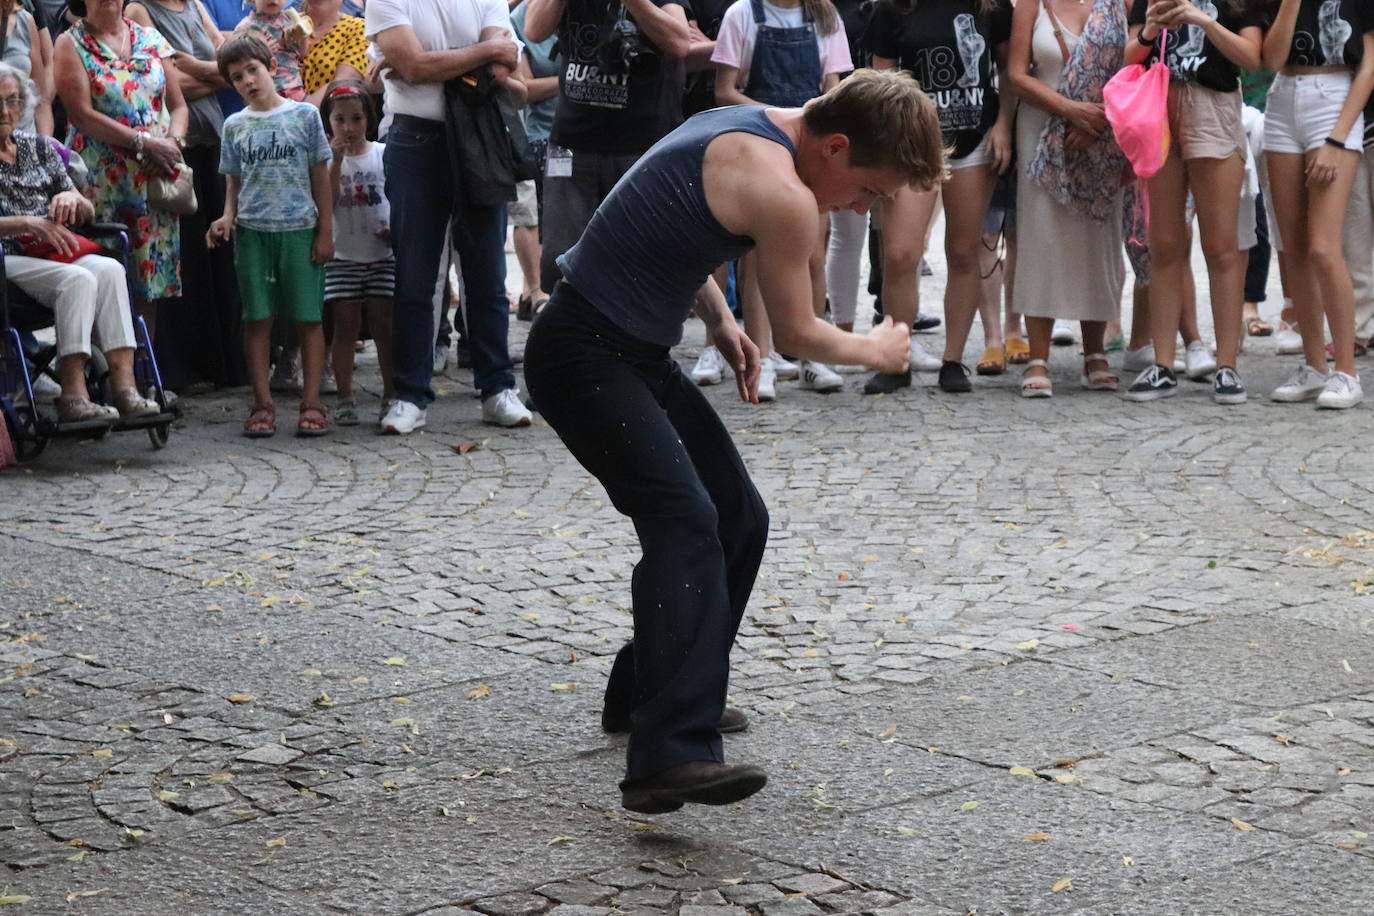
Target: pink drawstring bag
<point>7,455</point>
<point>1137,104</point>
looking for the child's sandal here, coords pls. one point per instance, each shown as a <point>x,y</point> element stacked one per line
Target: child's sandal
<point>346,412</point>
<point>261,422</point>
<point>312,420</point>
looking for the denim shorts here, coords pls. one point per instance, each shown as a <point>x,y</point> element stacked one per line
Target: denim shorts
<point>1301,112</point>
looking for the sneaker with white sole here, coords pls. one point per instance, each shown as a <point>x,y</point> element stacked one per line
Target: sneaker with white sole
<point>402,418</point>
<point>922,361</point>
<point>1342,391</point>
<point>1303,385</point>
<point>784,370</point>
<point>768,382</point>
<point>710,367</point>
<point>506,409</point>
<point>1062,335</point>
<point>328,384</point>
<point>1154,383</point>
<point>1227,387</point>
<point>286,375</point>
<point>1287,340</point>
<point>820,377</point>
<point>1138,360</point>
<point>1198,362</point>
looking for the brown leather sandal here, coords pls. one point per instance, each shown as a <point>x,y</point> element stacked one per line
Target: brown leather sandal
<point>261,422</point>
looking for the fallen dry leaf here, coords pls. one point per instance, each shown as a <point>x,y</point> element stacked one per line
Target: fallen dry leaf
<point>279,841</point>
<point>1062,884</point>
<point>560,839</point>
<point>477,694</point>
<point>1241,825</point>
<point>1021,771</point>
<point>240,698</point>
<point>888,732</point>
<point>463,448</point>
<point>1028,644</point>
<point>395,661</point>
<point>1037,836</point>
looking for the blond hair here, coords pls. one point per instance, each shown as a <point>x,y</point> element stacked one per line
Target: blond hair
<point>890,122</point>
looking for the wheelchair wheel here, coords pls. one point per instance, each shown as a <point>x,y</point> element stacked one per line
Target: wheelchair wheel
<point>159,434</point>
<point>27,444</point>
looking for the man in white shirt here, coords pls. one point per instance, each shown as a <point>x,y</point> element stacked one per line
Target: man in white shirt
<point>426,43</point>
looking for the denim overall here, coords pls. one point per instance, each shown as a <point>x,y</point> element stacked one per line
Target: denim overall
<point>786,67</point>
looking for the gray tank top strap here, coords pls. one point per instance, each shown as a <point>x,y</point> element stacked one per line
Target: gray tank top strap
<point>185,31</point>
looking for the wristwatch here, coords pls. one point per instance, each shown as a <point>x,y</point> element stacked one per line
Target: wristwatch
<point>140,136</point>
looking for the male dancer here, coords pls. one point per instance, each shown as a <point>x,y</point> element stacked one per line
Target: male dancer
<point>598,364</point>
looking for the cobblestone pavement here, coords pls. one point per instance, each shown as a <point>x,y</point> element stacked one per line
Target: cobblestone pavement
<point>1005,656</point>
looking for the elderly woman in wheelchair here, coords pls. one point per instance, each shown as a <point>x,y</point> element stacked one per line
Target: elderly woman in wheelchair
<point>87,292</point>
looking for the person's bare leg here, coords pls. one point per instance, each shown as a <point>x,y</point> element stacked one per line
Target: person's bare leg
<point>1289,195</point>
<point>992,277</point>
<point>348,317</point>
<point>71,375</point>
<point>311,336</point>
<point>379,324</point>
<point>966,197</point>
<point>121,366</point>
<point>1216,189</point>
<point>1140,317</point>
<point>257,355</point>
<point>1170,244</point>
<point>527,253</point>
<point>1040,331</point>
<point>1326,220</point>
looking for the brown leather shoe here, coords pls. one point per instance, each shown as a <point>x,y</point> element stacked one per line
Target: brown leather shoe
<point>702,782</point>
<point>731,720</point>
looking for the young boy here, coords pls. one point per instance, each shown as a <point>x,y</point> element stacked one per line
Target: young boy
<point>276,158</point>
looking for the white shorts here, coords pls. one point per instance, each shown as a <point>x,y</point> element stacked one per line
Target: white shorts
<point>1301,112</point>
<point>979,156</point>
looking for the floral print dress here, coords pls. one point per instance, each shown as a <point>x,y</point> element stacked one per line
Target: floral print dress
<point>131,91</point>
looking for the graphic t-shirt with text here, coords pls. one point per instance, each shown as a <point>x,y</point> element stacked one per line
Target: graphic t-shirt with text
<point>947,45</point>
<point>616,111</point>
<point>1192,56</point>
<point>271,152</point>
<point>1329,33</point>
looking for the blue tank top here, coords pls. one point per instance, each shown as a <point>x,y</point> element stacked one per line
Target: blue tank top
<point>653,241</point>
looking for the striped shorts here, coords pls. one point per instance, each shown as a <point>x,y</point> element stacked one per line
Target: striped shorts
<point>353,280</point>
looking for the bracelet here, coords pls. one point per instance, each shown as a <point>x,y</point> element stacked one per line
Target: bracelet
<point>1147,42</point>
<point>140,136</point>
<point>1336,143</point>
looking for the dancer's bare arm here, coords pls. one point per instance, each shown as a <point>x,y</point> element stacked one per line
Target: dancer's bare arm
<point>753,189</point>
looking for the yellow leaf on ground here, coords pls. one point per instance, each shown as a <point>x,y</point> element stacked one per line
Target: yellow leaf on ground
<point>1028,644</point>
<point>968,806</point>
<point>1062,884</point>
<point>240,698</point>
<point>165,795</point>
<point>103,752</point>
<point>1037,836</point>
<point>1066,778</point>
<point>810,653</point>
<point>1059,544</point>
<point>1021,771</point>
<point>1343,771</point>
<point>395,661</point>
<point>14,899</point>
<point>562,686</point>
<point>561,839</point>
<point>1241,825</point>
<point>888,732</point>
<point>220,779</point>
<point>477,694</point>
<point>279,841</point>
<point>310,672</point>
<point>520,513</point>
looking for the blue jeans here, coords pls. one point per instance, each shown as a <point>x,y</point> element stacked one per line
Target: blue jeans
<point>420,190</point>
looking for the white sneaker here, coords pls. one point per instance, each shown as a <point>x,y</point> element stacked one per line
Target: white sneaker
<point>402,418</point>
<point>768,378</point>
<point>505,409</point>
<point>1138,360</point>
<point>440,360</point>
<point>921,360</point>
<point>286,375</point>
<point>328,384</point>
<point>710,367</point>
<point>1341,391</point>
<point>1303,385</point>
<point>1287,340</point>
<point>820,377</point>
<point>44,388</point>
<point>1198,362</point>
<point>1062,335</point>
<point>785,371</point>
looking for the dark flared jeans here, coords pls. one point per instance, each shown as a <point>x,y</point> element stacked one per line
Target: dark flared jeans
<point>632,418</point>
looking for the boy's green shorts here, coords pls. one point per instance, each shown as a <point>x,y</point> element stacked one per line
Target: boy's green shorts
<point>276,276</point>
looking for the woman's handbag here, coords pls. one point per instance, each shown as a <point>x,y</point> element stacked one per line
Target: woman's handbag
<point>1137,104</point>
<point>176,194</point>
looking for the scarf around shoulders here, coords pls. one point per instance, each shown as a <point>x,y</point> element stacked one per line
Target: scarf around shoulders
<point>1087,180</point>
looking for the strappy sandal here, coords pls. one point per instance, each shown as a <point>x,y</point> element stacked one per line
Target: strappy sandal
<point>1098,379</point>
<point>261,422</point>
<point>539,305</point>
<point>346,412</point>
<point>1037,386</point>
<point>312,420</point>
<point>1256,326</point>
<point>524,311</point>
<point>1018,351</point>
<point>993,362</point>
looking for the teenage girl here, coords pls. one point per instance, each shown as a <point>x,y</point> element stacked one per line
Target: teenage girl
<point>781,53</point>
<point>1208,44</point>
<point>362,273</point>
<point>1313,132</point>
<point>949,47</point>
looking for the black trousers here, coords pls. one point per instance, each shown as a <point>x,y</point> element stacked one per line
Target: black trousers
<point>632,418</point>
<point>1257,264</point>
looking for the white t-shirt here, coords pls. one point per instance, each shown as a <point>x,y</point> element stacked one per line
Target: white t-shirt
<point>361,210</point>
<point>738,32</point>
<point>440,25</point>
